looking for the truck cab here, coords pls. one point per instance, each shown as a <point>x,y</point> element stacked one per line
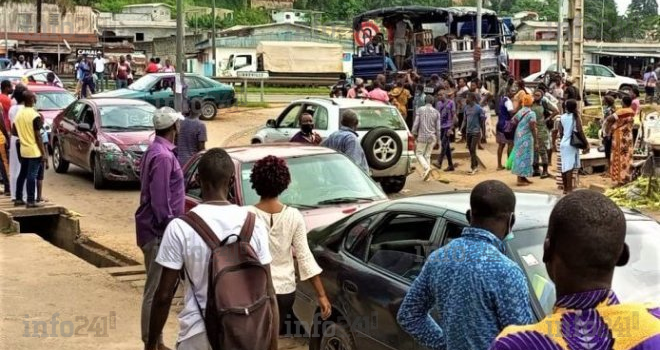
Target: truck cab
<point>439,41</point>
<point>240,62</point>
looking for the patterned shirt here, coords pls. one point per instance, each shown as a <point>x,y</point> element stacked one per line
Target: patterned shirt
<point>425,124</point>
<point>345,140</point>
<point>192,132</point>
<point>447,111</point>
<point>474,287</point>
<point>590,320</point>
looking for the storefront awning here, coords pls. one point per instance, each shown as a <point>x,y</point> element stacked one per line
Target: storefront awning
<point>45,49</point>
<point>627,54</point>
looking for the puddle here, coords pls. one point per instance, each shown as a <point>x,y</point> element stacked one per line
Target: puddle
<point>64,232</point>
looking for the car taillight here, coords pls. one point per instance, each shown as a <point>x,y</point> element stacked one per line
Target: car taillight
<point>411,142</point>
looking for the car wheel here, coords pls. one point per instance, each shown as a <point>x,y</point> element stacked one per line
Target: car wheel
<point>99,181</point>
<point>626,89</point>
<point>393,184</point>
<point>336,337</point>
<point>209,110</point>
<point>382,148</point>
<point>255,142</point>
<point>61,166</point>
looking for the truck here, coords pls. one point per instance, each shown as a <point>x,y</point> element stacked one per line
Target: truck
<point>288,58</point>
<point>441,41</point>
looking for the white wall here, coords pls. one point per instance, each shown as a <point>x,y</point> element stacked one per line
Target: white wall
<point>547,57</point>
<point>281,16</point>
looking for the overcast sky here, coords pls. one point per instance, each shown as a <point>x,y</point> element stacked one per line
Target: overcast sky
<point>622,6</point>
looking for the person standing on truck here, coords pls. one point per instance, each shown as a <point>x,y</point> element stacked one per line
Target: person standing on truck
<point>376,47</point>
<point>401,33</point>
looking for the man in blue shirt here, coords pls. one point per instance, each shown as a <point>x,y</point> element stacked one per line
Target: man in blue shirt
<point>472,127</point>
<point>345,140</point>
<point>475,288</point>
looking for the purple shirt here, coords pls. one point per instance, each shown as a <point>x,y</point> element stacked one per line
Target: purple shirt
<point>447,111</point>
<point>162,192</point>
<point>191,133</point>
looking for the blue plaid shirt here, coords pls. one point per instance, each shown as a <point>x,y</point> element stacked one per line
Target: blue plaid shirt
<point>475,288</point>
<point>345,140</point>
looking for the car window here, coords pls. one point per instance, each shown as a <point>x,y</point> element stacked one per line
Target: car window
<point>290,117</point>
<point>374,117</point>
<point>86,116</point>
<point>119,118</point>
<point>40,77</point>
<point>320,115</point>
<point>143,83</point>
<point>355,238</point>
<point>589,70</point>
<point>193,188</point>
<point>453,230</point>
<point>400,245</point>
<point>194,83</point>
<point>603,72</point>
<point>54,100</point>
<point>73,112</point>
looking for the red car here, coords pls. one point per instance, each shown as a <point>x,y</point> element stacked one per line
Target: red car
<point>51,100</point>
<point>104,136</point>
<point>325,185</point>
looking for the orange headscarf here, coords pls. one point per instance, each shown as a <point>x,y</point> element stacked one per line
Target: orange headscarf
<point>527,100</point>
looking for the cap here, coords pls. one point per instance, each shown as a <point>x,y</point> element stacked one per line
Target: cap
<point>165,117</point>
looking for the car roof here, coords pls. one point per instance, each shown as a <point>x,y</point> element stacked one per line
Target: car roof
<point>23,72</point>
<point>344,102</point>
<point>532,208</point>
<point>251,153</point>
<point>99,102</point>
<point>45,88</point>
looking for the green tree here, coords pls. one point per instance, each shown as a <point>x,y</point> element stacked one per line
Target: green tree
<point>601,20</point>
<point>547,10</point>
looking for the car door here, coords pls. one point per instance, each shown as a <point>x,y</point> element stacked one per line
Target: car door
<point>389,254</point>
<point>83,141</point>
<point>66,129</point>
<point>608,80</point>
<point>196,88</point>
<point>286,125</point>
<point>161,93</point>
<point>591,81</point>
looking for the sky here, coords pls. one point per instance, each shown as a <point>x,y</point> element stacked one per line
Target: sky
<point>622,6</point>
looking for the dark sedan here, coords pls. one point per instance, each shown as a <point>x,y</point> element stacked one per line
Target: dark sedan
<point>370,258</point>
<point>158,89</point>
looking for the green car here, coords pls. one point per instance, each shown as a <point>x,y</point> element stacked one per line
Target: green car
<point>158,89</point>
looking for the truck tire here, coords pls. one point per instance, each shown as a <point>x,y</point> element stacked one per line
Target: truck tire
<point>382,147</point>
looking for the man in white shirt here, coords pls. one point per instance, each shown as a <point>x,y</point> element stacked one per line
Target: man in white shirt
<point>183,247</point>
<point>99,70</point>
<point>400,42</point>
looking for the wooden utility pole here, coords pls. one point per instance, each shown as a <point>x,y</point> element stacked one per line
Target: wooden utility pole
<point>576,23</point>
<point>215,63</point>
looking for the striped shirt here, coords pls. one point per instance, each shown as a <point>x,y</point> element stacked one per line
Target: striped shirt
<point>425,125</point>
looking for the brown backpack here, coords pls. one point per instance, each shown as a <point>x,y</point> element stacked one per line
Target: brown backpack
<point>239,314</point>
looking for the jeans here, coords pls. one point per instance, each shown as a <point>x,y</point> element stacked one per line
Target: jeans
<point>445,147</point>
<point>87,86</point>
<point>100,79</point>
<point>423,153</point>
<point>153,269</point>
<point>121,83</point>
<point>389,64</point>
<point>473,142</point>
<point>29,172</point>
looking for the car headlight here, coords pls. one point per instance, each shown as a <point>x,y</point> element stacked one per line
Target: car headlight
<point>109,147</point>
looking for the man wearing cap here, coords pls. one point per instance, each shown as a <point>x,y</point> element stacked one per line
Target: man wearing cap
<point>161,200</point>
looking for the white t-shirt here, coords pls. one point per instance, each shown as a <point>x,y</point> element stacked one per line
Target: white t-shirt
<point>99,64</point>
<point>508,104</point>
<point>400,31</point>
<point>181,245</point>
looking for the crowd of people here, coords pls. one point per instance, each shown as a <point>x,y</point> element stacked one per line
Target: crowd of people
<point>23,146</point>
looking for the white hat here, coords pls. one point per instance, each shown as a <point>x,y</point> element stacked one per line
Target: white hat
<point>165,117</point>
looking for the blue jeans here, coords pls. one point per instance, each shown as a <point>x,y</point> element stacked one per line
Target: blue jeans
<point>30,172</point>
<point>100,79</point>
<point>445,147</point>
<point>389,64</point>
<point>121,83</point>
<point>88,84</point>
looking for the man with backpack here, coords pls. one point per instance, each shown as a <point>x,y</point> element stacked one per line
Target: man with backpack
<point>239,259</point>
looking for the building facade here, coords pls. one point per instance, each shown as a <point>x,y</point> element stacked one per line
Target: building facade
<point>140,22</point>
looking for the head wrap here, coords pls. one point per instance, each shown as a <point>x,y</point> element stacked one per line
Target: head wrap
<point>527,100</point>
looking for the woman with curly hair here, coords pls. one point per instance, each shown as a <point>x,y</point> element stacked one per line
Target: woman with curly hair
<point>270,177</point>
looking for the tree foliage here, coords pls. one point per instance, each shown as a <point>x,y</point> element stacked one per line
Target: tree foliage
<point>241,17</point>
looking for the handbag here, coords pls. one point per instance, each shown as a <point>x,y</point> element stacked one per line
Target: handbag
<point>576,140</point>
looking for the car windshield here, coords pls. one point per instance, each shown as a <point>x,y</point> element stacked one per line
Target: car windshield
<point>638,281</point>
<point>143,83</point>
<point>374,117</point>
<point>318,180</point>
<point>54,100</point>
<point>127,117</point>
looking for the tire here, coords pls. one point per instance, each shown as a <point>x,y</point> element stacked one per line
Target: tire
<point>256,142</point>
<point>393,184</point>
<point>99,181</point>
<point>209,110</point>
<point>382,148</point>
<point>60,165</point>
<point>626,89</point>
<point>336,336</point>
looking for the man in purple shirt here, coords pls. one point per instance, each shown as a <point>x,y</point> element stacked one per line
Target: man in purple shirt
<point>161,200</point>
<point>446,126</point>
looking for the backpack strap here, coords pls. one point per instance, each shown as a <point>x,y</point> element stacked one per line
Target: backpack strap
<point>248,228</point>
<point>202,228</point>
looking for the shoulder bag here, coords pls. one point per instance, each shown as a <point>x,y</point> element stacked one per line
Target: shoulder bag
<point>577,140</point>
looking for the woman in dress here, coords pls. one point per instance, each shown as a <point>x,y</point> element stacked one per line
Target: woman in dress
<point>270,177</point>
<point>524,142</point>
<point>570,155</point>
<point>622,143</point>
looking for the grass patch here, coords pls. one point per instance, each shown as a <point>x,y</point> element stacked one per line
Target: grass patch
<point>253,104</point>
<point>277,90</point>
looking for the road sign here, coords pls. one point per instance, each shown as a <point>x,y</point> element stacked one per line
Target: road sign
<point>252,75</point>
<point>367,31</point>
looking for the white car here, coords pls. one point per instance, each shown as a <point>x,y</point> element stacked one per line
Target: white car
<point>599,78</point>
<point>388,144</point>
<point>651,131</point>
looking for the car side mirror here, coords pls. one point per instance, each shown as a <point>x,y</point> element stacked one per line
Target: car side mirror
<point>84,127</point>
<point>271,123</point>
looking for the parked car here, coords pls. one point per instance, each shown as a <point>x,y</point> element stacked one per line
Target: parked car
<point>598,78</point>
<point>388,144</point>
<point>4,63</point>
<point>370,259</point>
<point>158,89</point>
<point>28,76</point>
<point>107,137</point>
<point>51,101</point>
<point>325,185</point>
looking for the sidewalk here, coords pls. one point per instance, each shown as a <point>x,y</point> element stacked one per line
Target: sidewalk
<point>74,305</point>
